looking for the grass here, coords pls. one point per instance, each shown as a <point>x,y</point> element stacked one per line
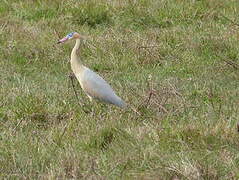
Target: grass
<point>184,52</point>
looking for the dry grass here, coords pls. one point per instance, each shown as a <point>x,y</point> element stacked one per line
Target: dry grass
<point>175,62</point>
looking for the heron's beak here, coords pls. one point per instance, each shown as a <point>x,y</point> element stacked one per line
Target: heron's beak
<point>62,40</point>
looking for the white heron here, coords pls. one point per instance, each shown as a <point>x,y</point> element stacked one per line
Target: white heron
<point>92,84</point>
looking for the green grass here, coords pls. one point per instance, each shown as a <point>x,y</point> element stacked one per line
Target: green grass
<point>186,52</point>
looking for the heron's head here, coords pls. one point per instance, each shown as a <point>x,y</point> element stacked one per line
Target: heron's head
<point>73,35</point>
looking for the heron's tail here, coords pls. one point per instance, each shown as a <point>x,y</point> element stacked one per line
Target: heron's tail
<point>123,105</point>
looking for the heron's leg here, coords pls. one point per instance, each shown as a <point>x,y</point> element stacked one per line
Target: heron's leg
<point>92,107</point>
<point>90,98</point>
<point>72,77</point>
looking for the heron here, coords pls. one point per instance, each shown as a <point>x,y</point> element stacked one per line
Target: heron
<point>92,84</point>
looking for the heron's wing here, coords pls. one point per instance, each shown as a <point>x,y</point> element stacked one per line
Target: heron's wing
<point>96,87</point>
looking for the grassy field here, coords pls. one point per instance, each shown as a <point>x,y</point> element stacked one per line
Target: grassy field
<point>177,62</point>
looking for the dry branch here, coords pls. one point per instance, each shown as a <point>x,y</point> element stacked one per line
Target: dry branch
<point>231,63</point>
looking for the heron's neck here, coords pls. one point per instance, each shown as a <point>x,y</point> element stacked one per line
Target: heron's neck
<point>76,64</point>
<point>75,51</point>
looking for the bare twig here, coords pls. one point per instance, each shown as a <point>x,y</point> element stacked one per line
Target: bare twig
<point>231,63</point>
<point>57,33</point>
<point>145,47</point>
<point>3,26</point>
<point>18,124</point>
<point>72,76</point>
<point>135,110</point>
<point>63,132</point>
<point>148,99</point>
<point>175,91</point>
<point>151,91</point>
<point>161,107</point>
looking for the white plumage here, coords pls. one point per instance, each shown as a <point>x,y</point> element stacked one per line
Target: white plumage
<point>92,84</point>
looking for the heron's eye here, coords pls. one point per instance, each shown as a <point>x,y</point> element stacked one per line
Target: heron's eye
<point>70,35</point>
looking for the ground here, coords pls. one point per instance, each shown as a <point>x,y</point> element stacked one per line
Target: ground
<point>176,62</point>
